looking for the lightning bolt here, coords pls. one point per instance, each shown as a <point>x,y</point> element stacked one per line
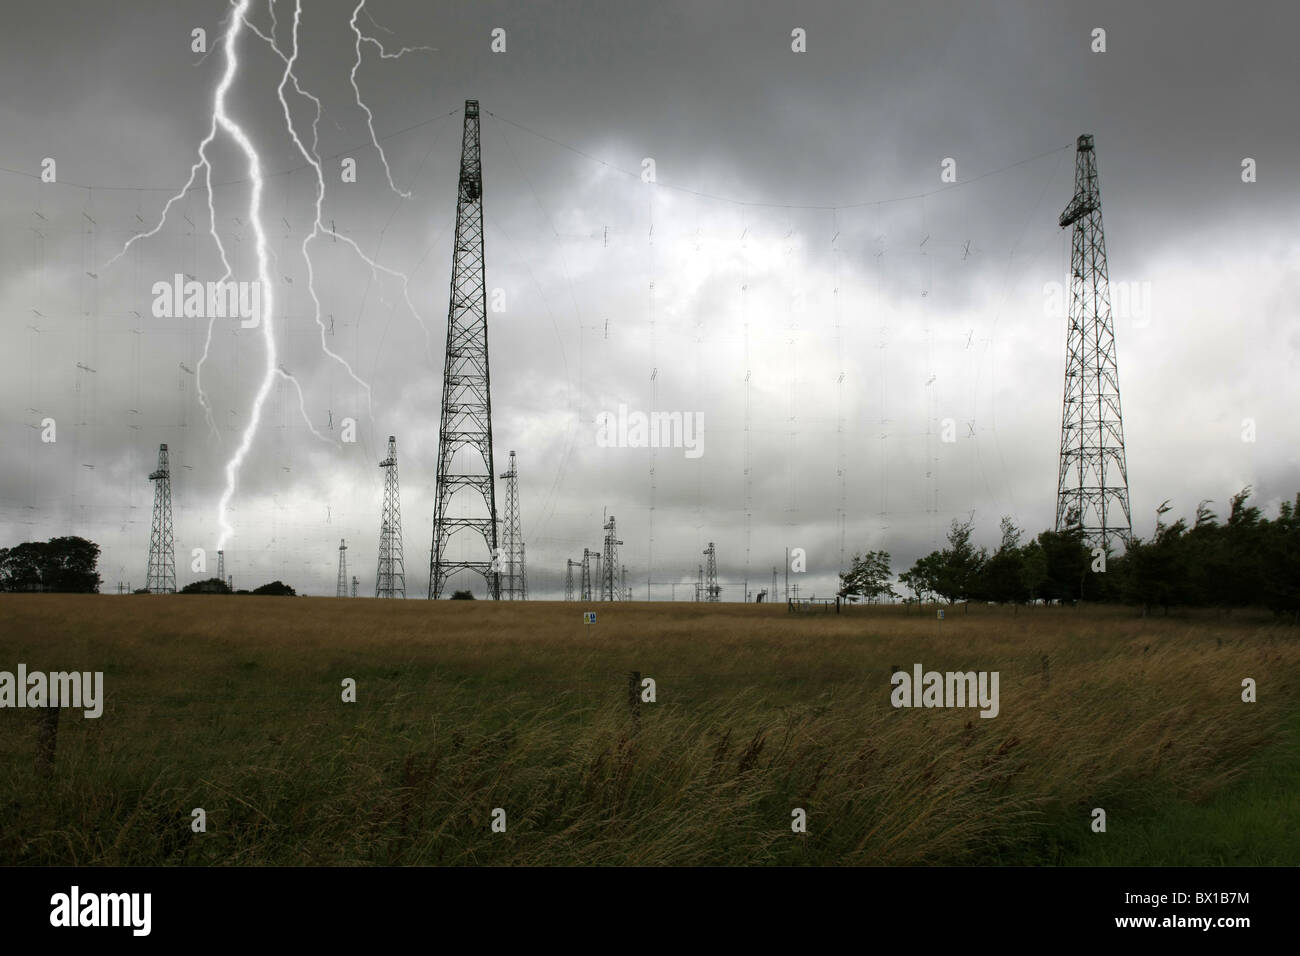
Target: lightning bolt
<point>236,132</point>
<point>356,65</point>
<point>201,163</point>
<point>222,121</point>
<point>312,157</point>
<point>302,407</point>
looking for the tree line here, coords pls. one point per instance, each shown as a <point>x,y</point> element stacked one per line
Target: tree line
<point>1240,560</point>
<point>69,565</point>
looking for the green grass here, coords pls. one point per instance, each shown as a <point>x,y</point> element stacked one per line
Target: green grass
<point>233,704</point>
<point>1254,821</point>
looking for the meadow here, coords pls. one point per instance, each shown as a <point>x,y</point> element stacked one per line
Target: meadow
<point>234,704</point>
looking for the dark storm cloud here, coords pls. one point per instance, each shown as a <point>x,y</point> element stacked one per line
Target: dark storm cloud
<point>940,309</point>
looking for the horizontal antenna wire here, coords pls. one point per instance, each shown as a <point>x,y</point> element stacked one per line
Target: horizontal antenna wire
<point>781,205</point>
<point>236,182</point>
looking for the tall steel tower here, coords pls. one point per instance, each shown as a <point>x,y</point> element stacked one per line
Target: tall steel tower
<point>586,574</point>
<point>466,395</point>
<point>161,576</point>
<point>1092,488</point>
<point>390,579</point>
<point>712,593</point>
<point>221,566</point>
<point>568,578</point>
<point>514,587</point>
<point>609,591</point>
<point>355,583</point>
<point>341,589</point>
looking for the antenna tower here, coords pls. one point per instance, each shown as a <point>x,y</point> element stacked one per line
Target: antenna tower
<point>609,590</point>
<point>1092,487</point>
<point>341,589</point>
<point>515,585</point>
<point>161,576</point>
<point>568,577</point>
<point>586,574</point>
<point>466,395</point>
<point>390,579</point>
<point>712,593</point>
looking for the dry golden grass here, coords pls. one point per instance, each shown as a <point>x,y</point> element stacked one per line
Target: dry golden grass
<point>233,704</point>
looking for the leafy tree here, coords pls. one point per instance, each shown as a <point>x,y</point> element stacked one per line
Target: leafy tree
<point>959,564</point>
<point>1158,567</point>
<point>277,588</point>
<point>1033,569</point>
<point>210,586</point>
<point>923,579</point>
<point>867,577</point>
<point>1068,560</point>
<point>1241,567</point>
<point>1003,572</point>
<point>68,565</point>
<point>1280,590</point>
<point>462,595</point>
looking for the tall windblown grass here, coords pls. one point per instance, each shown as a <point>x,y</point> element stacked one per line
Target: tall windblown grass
<point>233,704</point>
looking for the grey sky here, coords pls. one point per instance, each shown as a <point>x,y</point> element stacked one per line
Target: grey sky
<point>774,168</point>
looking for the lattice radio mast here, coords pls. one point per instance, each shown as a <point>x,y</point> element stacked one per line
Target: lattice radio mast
<point>161,576</point>
<point>712,593</point>
<point>1092,487</point>
<point>586,574</point>
<point>568,577</point>
<point>466,394</point>
<point>609,590</point>
<point>514,587</point>
<point>341,588</point>
<point>390,579</point>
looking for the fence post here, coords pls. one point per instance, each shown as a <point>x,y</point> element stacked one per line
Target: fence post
<point>634,698</point>
<point>47,737</point>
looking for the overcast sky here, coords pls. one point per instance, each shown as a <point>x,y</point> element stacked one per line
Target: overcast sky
<point>799,275</point>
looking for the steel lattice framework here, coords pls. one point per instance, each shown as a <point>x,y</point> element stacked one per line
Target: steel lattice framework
<point>585,593</point>
<point>712,593</point>
<point>390,578</point>
<point>466,394</point>
<point>161,576</point>
<point>514,586</point>
<point>1092,488</point>
<point>609,591</point>
<point>341,588</point>
<point>568,578</point>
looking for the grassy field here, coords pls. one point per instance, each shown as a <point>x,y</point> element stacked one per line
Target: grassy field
<point>233,704</point>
